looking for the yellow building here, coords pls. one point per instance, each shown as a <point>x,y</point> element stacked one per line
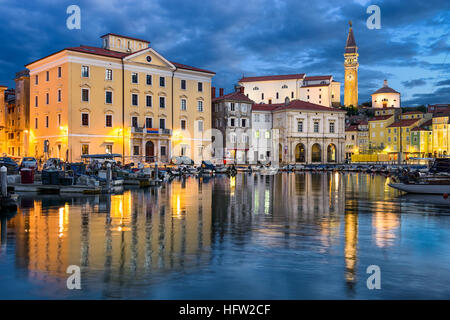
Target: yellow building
<point>399,138</point>
<point>441,134</point>
<point>121,98</point>
<point>351,71</point>
<point>422,140</point>
<point>3,145</point>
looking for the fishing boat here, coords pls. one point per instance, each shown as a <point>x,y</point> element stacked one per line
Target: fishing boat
<point>435,181</point>
<point>268,170</point>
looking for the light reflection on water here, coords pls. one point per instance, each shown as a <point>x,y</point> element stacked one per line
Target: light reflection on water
<point>289,236</point>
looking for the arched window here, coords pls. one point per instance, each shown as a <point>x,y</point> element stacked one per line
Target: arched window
<point>316,153</point>
<point>255,88</point>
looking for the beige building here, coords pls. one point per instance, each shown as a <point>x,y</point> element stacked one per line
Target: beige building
<point>322,90</point>
<point>122,98</point>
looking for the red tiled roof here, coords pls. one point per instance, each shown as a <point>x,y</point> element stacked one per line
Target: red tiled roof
<point>378,118</point>
<point>120,55</point>
<point>403,123</point>
<point>275,77</point>
<point>363,122</point>
<point>186,67</point>
<point>234,96</point>
<point>413,112</point>
<point>99,51</point>
<point>316,85</point>
<point>118,35</point>
<point>385,89</point>
<point>353,127</point>
<point>312,78</point>
<point>424,126</point>
<point>303,105</point>
<point>264,107</point>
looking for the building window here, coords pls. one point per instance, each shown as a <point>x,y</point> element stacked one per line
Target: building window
<point>257,134</point>
<point>232,107</point>
<point>200,87</point>
<point>183,124</point>
<point>277,95</point>
<point>85,71</point>
<point>292,95</point>
<point>148,101</point>
<point>108,148</point>
<point>108,120</point>
<point>200,125</point>
<point>331,127</point>
<point>262,96</point>
<point>200,106</point>
<point>243,123</point>
<point>36,79</point>
<point>36,99</point>
<point>162,81</point>
<point>59,95</point>
<point>135,150</point>
<point>134,99</point>
<point>183,104</point>
<point>35,123</point>
<point>183,84</point>
<point>267,117</point>
<point>307,97</point>
<point>47,76</point>
<point>108,74</point>
<point>59,119</point>
<point>134,122</point>
<point>162,102</point>
<point>134,77</point>
<point>108,97</point>
<point>46,121</point>
<point>162,123</point>
<point>232,122</point>
<point>163,151</point>
<point>256,118</point>
<point>85,95</point>
<point>84,149</point>
<point>149,79</point>
<point>316,126</point>
<point>47,98</point>
<point>300,126</point>
<point>85,119</point>
<point>267,134</point>
<point>148,122</point>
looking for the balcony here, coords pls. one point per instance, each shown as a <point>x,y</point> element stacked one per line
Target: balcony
<point>151,131</point>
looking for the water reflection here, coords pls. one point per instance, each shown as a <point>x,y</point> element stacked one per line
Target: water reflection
<point>129,243</point>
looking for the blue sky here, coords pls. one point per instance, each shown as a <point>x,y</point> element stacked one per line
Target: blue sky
<point>252,37</point>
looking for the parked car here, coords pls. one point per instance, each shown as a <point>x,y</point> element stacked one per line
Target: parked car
<point>10,164</point>
<point>29,162</point>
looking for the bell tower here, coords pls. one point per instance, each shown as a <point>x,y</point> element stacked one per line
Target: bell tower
<point>351,70</point>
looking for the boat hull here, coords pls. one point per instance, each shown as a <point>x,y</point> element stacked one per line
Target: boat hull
<point>422,188</point>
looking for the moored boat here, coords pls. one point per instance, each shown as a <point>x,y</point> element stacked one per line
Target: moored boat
<point>422,188</point>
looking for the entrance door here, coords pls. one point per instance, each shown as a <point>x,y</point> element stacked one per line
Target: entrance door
<point>149,152</point>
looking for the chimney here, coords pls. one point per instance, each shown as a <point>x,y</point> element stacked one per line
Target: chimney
<point>213,92</point>
<point>220,92</point>
<point>385,83</point>
<point>241,89</point>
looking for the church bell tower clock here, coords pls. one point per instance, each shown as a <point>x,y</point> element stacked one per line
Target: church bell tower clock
<point>351,70</point>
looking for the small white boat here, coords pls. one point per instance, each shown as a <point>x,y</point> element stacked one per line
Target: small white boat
<point>268,170</point>
<point>422,188</point>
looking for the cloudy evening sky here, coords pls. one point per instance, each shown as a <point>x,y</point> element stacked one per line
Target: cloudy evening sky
<point>252,37</point>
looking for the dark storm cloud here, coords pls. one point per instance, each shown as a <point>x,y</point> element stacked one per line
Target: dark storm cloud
<point>414,83</point>
<point>440,95</point>
<point>235,37</point>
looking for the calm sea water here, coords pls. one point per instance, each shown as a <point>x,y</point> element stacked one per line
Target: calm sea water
<point>288,236</point>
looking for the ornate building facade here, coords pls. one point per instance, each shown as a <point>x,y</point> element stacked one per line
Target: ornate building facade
<point>122,98</point>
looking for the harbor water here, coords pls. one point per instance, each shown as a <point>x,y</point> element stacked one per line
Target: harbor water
<point>286,236</point>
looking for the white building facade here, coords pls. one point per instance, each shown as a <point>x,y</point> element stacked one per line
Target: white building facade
<point>322,90</point>
<point>386,97</point>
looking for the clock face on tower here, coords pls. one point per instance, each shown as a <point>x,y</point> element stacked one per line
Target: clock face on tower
<point>349,77</point>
